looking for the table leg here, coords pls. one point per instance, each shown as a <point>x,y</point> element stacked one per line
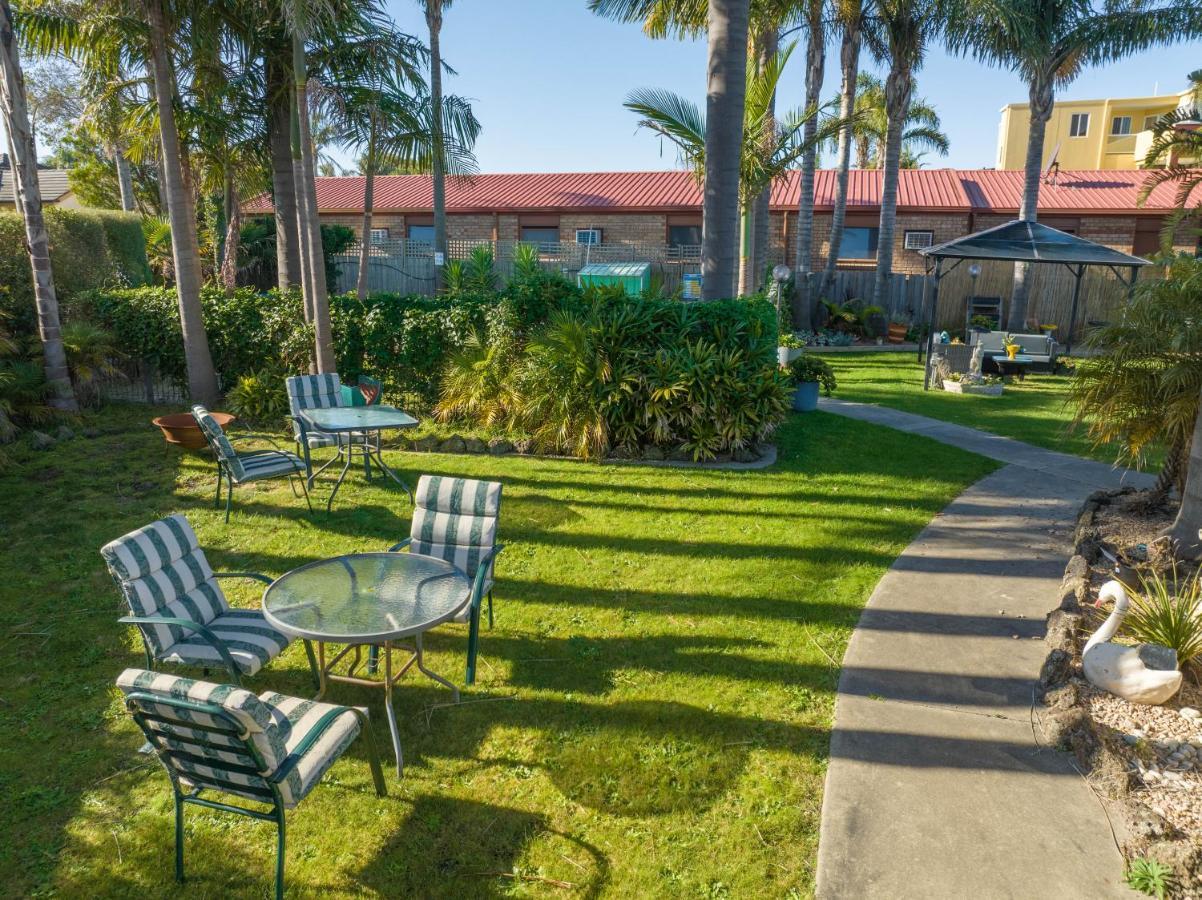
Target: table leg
<point>366,458</point>
<point>383,467</point>
<point>337,484</point>
<point>388,710</point>
<point>329,462</point>
<point>417,642</point>
<point>322,683</point>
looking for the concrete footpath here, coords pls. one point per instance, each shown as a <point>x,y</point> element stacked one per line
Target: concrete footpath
<point>937,786</point>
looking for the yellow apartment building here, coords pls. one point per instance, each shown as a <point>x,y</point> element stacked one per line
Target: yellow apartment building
<point>1088,134</point>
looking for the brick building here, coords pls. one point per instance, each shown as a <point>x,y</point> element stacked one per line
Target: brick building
<point>664,208</point>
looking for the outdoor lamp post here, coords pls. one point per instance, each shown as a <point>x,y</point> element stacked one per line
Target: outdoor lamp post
<point>780,274</point>
<point>974,270</point>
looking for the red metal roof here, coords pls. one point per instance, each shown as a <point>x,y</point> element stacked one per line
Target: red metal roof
<point>945,190</point>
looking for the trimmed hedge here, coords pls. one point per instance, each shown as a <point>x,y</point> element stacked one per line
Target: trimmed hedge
<point>89,249</point>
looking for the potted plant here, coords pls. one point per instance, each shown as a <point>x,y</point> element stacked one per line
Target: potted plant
<point>809,373</point>
<point>898,328</point>
<point>981,323</point>
<point>1012,346</point>
<point>789,348</point>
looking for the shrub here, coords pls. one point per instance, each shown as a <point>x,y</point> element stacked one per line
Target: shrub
<point>89,248</point>
<point>812,368</point>
<point>1168,611</point>
<point>260,398</point>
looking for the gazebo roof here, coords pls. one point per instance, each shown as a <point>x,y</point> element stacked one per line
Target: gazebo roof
<point>1021,241</point>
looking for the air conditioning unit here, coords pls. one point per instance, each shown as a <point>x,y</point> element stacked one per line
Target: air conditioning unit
<point>588,235</point>
<point>917,240</point>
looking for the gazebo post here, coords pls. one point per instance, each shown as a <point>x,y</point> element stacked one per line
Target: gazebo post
<point>1072,316</point>
<point>926,295</point>
<point>926,372</point>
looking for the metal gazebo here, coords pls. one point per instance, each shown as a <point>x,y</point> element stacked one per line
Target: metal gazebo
<point>1030,242</point>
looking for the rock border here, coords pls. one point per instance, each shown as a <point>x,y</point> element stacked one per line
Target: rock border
<point>1066,724</point>
<point>758,457</point>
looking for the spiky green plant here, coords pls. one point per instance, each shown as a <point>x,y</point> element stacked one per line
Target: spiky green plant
<point>1151,877</point>
<point>1168,611</point>
<point>475,383</point>
<point>91,354</point>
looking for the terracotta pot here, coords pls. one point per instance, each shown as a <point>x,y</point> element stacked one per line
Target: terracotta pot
<point>181,429</point>
<point>897,333</point>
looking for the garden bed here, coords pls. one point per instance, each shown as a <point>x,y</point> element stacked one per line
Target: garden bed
<point>981,390</point>
<point>1145,762</point>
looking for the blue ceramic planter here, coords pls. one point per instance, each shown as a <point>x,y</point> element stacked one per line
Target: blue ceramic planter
<point>805,396</point>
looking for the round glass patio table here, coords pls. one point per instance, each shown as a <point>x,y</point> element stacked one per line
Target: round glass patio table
<point>368,599</point>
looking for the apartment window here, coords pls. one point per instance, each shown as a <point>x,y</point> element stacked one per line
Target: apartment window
<point>1150,122</point>
<point>916,240</point>
<point>588,235</point>
<point>1120,125</point>
<point>540,234</point>
<point>1078,125</point>
<point>422,234</point>
<point>858,243</point>
<point>684,235</point>
<point>379,235</point>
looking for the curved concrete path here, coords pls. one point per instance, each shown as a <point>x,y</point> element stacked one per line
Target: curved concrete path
<point>936,785</point>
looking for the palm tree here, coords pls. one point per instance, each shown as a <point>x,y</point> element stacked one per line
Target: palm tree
<point>803,303</point>
<point>899,35</point>
<point>921,128</point>
<point>766,45</point>
<point>28,195</point>
<point>1173,158</point>
<point>850,14</point>
<point>1048,43</point>
<point>202,379</point>
<point>434,10</point>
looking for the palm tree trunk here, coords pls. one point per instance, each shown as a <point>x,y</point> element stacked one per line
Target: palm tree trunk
<point>125,180</point>
<point>803,302</point>
<point>757,254</point>
<point>185,250</point>
<point>283,182</point>
<point>726,78</point>
<point>233,232</point>
<point>1042,98</point>
<point>369,190</point>
<point>438,175</point>
<point>849,58</point>
<point>308,222</point>
<point>898,88</point>
<point>301,204</point>
<point>25,168</point>
<point>1172,470</point>
<point>1184,531</point>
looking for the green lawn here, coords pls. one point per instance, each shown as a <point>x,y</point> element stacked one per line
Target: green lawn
<point>652,716</point>
<point>1034,410</point>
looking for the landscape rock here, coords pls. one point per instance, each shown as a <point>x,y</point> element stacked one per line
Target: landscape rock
<point>500,446</point>
<point>92,432</point>
<point>1062,631</point>
<point>426,444</point>
<point>39,440</point>
<point>524,446</point>
<point>64,433</point>
<point>1056,669</point>
<point>653,452</point>
<point>621,453</point>
<point>745,455</point>
<point>454,444</point>
<point>475,445</point>
<point>681,454</point>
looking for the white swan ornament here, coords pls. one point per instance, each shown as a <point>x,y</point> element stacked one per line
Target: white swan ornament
<point>1144,674</point>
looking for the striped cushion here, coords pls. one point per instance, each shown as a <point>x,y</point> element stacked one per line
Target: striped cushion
<point>295,719</point>
<point>250,640</point>
<point>216,436</point>
<point>313,392</point>
<point>275,724</point>
<point>268,465</point>
<point>456,519</point>
<point>162,571</point>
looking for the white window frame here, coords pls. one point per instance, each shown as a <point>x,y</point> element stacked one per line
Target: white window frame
<point>379,236</point>
<point>594,233</point>
<point>1116,120</point>
<point>1072,125</point>
<point>1150,122</point>
<point>924,237</point>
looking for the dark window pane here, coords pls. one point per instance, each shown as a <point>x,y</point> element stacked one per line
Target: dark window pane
<point>684,235</point>
<point>422,233</point>
<point>858,243</point>
<point>539,234</point>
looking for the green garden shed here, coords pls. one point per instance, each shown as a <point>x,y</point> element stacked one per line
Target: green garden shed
<point>633,277</point>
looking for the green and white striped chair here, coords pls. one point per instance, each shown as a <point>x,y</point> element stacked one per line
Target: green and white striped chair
<point>315,392</point>
<point>253,465</point>
<point>176,603</point>
<point>270,749</point>
<point>456,519</point>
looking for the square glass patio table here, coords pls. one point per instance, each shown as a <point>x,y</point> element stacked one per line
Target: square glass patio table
<point>366,423</point>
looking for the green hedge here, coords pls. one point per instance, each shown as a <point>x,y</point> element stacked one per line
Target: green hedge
<point>89,249</point>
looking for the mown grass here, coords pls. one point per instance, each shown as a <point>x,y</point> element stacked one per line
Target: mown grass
<point>653,711</point>
<point>1035,410</point>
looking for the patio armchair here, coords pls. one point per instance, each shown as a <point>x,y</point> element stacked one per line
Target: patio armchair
<point>177,605</point>
<point>270,749</point>
<point>455,519</point>
<point>243,467</point>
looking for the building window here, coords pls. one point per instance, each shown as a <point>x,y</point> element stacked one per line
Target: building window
<point>1150,122</point>
<point>858,243</point>
<point>684,235</point>
<point>540,234</point>
<point>422,234</point>
<point>588,235</point>
<point>916,240</point>
<point>379,235</point>
<point>1078,125</point>
<point>1120,125</point>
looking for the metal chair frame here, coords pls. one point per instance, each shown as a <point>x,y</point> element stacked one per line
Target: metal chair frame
<point>224,471</point>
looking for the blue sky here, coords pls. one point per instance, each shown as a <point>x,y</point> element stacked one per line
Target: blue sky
<point>548,79</point>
